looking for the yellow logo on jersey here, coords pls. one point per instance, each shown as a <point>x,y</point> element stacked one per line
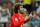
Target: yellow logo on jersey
<point>21,25</point>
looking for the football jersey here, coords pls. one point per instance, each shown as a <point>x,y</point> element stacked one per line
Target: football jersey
<point>17,20</point>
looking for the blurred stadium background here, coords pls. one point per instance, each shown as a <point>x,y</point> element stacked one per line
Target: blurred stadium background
<point>6,12</point>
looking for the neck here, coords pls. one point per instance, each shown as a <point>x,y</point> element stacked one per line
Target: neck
<point>19,13</point>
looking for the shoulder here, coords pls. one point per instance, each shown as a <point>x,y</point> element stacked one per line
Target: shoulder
<point>15,15</point>
<point>38,20</point>
<point>31,20</point>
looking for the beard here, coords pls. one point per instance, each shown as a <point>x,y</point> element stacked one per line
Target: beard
<point>21,12</point>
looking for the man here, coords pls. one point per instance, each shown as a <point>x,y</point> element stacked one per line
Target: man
<point>18,18</point>
<point>34,22</point>
<point>38,12</point>
<point>4,14</point>
<point>10,9</point>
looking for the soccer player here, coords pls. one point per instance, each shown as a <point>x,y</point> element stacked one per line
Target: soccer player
<point>18,18</point>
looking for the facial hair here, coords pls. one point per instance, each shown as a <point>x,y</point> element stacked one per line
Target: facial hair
<point>21,12</point>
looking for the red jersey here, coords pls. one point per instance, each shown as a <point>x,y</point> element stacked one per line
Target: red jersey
<point>17,20</point>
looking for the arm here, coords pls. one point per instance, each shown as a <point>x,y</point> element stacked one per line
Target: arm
<point>28,18</point>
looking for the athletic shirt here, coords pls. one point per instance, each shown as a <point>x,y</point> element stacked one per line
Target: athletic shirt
<point>4,12</point>
<point>17,20</point>
<point>4,15</point>
<point>27,2</point>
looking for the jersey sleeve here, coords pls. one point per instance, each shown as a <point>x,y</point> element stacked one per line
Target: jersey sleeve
<point>26,20</point>
<point>16,21</point>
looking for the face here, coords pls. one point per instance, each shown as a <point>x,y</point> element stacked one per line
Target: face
<point>4,5</point>
<point>21,9</point>
<point>34,17</point>
<point>9,5</point>
<point>34,12</point>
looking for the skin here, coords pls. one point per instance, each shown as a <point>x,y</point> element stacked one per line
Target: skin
<point>9,5</point>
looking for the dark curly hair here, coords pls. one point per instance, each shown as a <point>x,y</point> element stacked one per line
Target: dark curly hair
<point>17,7</point>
